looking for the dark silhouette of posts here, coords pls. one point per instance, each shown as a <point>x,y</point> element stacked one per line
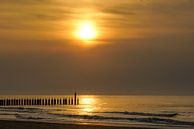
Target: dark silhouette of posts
<point>39,101</point>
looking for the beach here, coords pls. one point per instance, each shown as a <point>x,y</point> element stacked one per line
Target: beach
<point>8,124</point>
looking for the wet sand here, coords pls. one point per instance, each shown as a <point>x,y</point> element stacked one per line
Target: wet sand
<point>5,124</point>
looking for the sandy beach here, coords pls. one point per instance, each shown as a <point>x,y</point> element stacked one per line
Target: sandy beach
<point>5,124</point>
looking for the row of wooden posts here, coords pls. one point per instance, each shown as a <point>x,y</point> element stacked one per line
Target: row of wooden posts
<point>40,101</point>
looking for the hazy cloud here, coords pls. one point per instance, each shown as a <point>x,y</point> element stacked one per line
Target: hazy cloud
<point>148,48</point>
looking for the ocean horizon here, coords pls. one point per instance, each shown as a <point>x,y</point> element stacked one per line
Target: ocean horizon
<point>114,110</point>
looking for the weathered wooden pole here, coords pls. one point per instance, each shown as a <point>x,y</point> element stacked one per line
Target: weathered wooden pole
<point>65,101</point>
<point>49,102</point>
<point>55,101</point>
<point>1,102</point>
<point>75,98</point>
<point>71,101</point>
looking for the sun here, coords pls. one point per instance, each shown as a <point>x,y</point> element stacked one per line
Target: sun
<point>86,31</point>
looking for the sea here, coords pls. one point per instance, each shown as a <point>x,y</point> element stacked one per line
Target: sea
<point>128,111</point>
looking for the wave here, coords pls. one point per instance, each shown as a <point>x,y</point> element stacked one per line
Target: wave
<point>142,114</point>
<point>152,120</point>
<point>142,117</point>
<point>27,109</point>
<point>21,109</point>
<point>28,117</point>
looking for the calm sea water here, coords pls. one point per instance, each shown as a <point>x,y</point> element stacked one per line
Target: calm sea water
<point>146,111</point>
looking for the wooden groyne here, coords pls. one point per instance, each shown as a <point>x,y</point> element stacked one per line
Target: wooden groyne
<point>39,101</point>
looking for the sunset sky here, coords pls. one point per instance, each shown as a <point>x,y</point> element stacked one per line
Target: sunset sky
<point>97,47</point>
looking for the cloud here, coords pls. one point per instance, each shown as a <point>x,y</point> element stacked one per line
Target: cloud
<point>149,49</point>
<point>123,14</point>
<point>150,7</point>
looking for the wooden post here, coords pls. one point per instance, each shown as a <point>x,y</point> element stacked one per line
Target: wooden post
<point>71,101</point>
<point>64,101</point>
<point>7,102</point>
<point>55,101</point>
<point>39,101</point>
<point>75,98</point>
<point>1,103</point>
<point>46,100</point>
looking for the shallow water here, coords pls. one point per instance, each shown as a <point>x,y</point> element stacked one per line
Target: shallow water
<point>156,111</point>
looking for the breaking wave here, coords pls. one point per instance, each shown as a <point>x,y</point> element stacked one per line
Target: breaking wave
<point>27,109</point>
<point>153,120</point>
<point>143,114</point>
<point>31,113</point>
<point>21,109</point>
<point>28,117</point>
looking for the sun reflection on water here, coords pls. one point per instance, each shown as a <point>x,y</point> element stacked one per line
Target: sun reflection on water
<point>88,101</point>
<point>88,104</point>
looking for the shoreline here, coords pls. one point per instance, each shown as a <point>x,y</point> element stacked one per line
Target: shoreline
<point>14,124</point>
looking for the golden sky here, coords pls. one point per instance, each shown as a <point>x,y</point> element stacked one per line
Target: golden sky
<point>42,40</point>
<point>123,19</point>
